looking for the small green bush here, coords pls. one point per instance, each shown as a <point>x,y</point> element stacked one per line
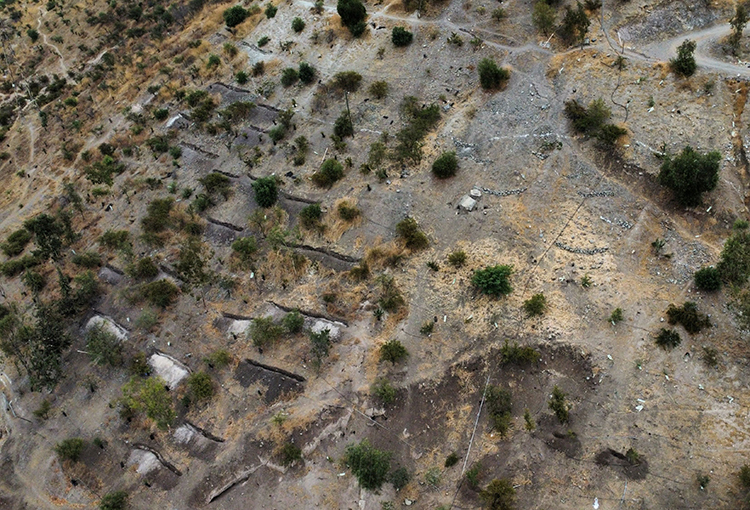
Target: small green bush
<point>493,280</point>
<point>513,354</point>
<point>151,397</point>
<point>310,216</point>
<point>473,475</point>
<point>379,89</point>
<point>348,212</point>
<point>401,37</point>
<point>491,76</point>
<point>114,501</point>
<point>245,249</point>
<point>161,114</point>
<point>216,183</point>
<point>89,259</point>
<point>144,269</point>
<point>446,165</point>
<point>393,351</point>
<point>16,242</point>
<point>616,316</point>
<point>115,239</point>
<point>499,495</point>
<point>690,174</point>
<point>271,11</point>
<point>668,339</point>
<point>160,293</point>
<point>33,35</point>
<point>399,478</point>
<point>298,25</point>
<point>451,460</point>
<point>103,346</point>
<point>218,359</point>
<point>347,81</point>
<point>289,454</point>
<point>200,385</point>
<point>368,464</point>
<point>744,476</point>
<point>707,279</point>
<point>343,127</point>
<point>235,15</point>
<point>684,64</point>
<point>457,258</point>
<point>266,191</point>
<point>384,391</point>
<point>293,322</point>
<point>70,449</point>
<point>536,305</point>
<point>306,73</point>
<point>390,298</point>
<point>558,405</point>
<point>688,315</point>
<point>15,267</point>
<point>264,331</point>
<point>289,76</point>
<point>157,217</point>
<point>330,172</point>
<point>414,239</point>
<point>499,407</point>
<point>241,77</point>
<point>263,41</point>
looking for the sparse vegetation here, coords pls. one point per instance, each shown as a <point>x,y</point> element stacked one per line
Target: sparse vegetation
<point>559,405</point>
<point>457,258</point>
<point>70,449</point>
<point>668,339</point>
<point>451,460</point>
<point>688,316</point>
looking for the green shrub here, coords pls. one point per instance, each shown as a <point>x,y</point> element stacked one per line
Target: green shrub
<point>414,239</point>
<point>16,242</point>
<point>558,405</point>
<point>368,464</point>
<point>271,11</point>
<point>218,359</point>
<point>491,76</point>
<point>384,391</point>
<point>616,316</point>
<point>144,269</point>
<point>151,397</point>
<point>343,126</point>
<point>401,37</point>
<point>298,24</point>
<point>235,15</point>
<point>289,454</point>
<point>393,351</point>
<point>668,339</point>
<point>690,174</point>
<point>33,35</point>
<point>513,354</point>
<point>574,25</point>
<point>34,281</point>
<point>536,305</point>
<point>734,265</point>
<point>390,297</point>
<point>200,385</point>
<point>157,215</point>
<point>420,120</point>
<point>688,315</point>
<point>399,478</point>
<point>684,64</point>
<point>70,449</point>
<point>348,212</point>
<point>707,279</point>
<point>266,191</point>
<point>499,407</point>
<point>89,259</point>
<point>103,346</point>
<point>426,328</point>
<point>216,183</point>
<point>493,280</point>
<point>353,14</point>
<point>115,239</point>
<point>114,501</point>
<point>379,89</point>
<point>264,331</point>
<point>245,249</point>
<point>446,165</point>
<point>160,293</point>
<point>289,76</point>
<point>306,73</point>
<point>347,81</point>
<point>457,258</point>
<point>161,114</point>
<point>499,495</point>
<point>43,411</point>
<point>15,267</point>
<point>310,216</point>
<point>158,144</point>
<point>320,344</point>
<point>451,460</point>
<point>330,172</point>
<point>744,476</point>
<point>293,322</point>
<point>263,41</point>
<point>473,475</point>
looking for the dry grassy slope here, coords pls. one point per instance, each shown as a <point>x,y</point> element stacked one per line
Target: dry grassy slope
<point>495,136</point>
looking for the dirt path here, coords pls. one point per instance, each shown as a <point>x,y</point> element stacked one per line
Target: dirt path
<point>63,66</point>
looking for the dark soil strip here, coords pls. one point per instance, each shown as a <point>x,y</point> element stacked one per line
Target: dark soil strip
<point>224,224</point>
<point>205,433</point>
<point>230,87</point>
<point>159,457</point>
<point>222,172</point>
<point>333,254</point>
<point>115,269</point>
<point>285,373</point>
<point>309,314</point>
<point>199,150</point>
<point>237,317</point>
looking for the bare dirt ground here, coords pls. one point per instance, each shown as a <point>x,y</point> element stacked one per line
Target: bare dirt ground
<point>553,206</point>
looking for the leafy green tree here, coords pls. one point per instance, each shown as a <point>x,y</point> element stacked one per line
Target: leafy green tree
<point>320,345</point>
<point>738,23</point>
<point>707,279</point>
<point>734,265</point>
<point>290,453</point>
<point>33,35</point>
<point>160,293</point>
<point>499,407</point>
<point>289,76</point>
<point>264,331</point>
<point>690,174</point>
<point>668,339</point>
<point>446,165</point>
<point>575,24</point>
<point>235,15</point>
<point>408,230</point>
<point>401,37</point>
<point>151,397</point>
<point>48,235</point>
<point>369,465</point>
<point>114,501</point>
<point>310,216</point>
<point>293,322</point>
<point>70,449</point>
<point>245,249</point>
<point>266,191</point>
<point>393,351</point>
<point>543,16</point>
<point>492,77</point>
<point>343,126</point>
<point>16,242</point>
<point>493,280</point>
<point>684,64</point>
<point>353,14</point>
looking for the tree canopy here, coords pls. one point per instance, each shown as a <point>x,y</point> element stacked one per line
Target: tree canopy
<point>690,174</point>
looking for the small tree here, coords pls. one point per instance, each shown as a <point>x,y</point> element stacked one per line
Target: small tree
<point>151,397</point>
<point>401,37</point>
<point>103,346</point>
<point>160,293</point>
<point>738,23</point>
<point>200,385</point>
<point>306,73</point>
<point>330,172</point>
<point>264,331</point>
<point>446,165</point>
<point>499,495</point>
<point>310,216</point>
<point>575,24</point>
<point>558,405</point>
<point>413,237</point>
<point>734,265</point>
<point>320,345</point>
<point>114,501</point>
<point>293,322</point>
<point>353,14</point>
<point>289,76</point>
<point>690,174</point>
<point>290,453</point>
<point>707,279</point>
<point>393,351</point>
<point>493,280</point>
<point>266,191</point>
<point>668,339</point>
<point>543,16</point>
<point>235,15</point>
<point>491,76</point>
<point>536,305</point>
<point>70,449</point>
<point>368,464</point>
<point>684,64</point>
<point>298,25</point>
<point>383,391</point>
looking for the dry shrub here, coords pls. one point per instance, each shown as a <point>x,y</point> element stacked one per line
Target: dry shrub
<point>335,226</point>
<point>283,266</point>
